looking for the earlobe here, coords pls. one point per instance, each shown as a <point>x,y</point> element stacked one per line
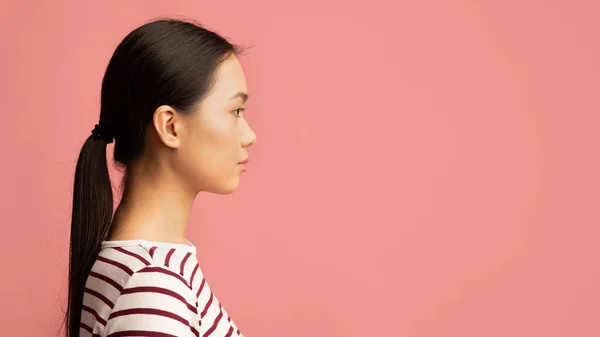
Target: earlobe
<point>164,122</point>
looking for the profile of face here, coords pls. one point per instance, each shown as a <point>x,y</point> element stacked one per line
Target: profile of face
<point>210,142</point>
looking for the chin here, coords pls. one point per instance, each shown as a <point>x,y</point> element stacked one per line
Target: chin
<point>226,187</point>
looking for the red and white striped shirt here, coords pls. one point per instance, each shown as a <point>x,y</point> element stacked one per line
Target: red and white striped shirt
<point>148,288</point>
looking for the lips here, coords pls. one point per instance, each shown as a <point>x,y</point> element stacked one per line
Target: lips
<point>242,165</point>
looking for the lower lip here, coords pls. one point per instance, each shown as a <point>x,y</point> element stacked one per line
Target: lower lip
<point>242,167</point>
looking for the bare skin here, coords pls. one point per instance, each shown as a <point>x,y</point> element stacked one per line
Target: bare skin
<point>186,154</point>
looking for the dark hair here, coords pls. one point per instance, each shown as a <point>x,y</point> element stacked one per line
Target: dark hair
<point>163,62</point>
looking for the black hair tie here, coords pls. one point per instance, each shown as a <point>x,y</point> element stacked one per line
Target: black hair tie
<point>101,133</point>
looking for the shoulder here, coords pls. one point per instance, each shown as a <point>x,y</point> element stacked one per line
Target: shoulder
<point>124,259</point>
<point>138,278</point>
<point>143,274</point>
<point>145,296</point>
<point>157,279</point>
<point>155,299</point>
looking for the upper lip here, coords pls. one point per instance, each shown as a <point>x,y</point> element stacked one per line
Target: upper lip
<point>244,161</point>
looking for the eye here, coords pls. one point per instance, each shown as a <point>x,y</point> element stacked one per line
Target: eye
<point>240,111</point>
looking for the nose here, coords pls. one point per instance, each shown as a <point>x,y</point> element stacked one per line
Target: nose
<point>249,137</point>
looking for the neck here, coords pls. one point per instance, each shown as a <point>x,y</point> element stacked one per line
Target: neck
<point>155,206</point>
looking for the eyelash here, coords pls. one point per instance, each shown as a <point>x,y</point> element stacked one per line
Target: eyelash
<point>238,114</point>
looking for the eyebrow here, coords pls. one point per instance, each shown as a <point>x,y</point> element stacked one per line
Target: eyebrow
<point>241,94</point>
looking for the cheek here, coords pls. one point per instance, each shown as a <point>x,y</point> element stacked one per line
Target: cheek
<point>213,160</point>
<point>213,151</point>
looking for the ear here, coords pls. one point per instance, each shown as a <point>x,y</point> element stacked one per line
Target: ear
<point>167,125</point>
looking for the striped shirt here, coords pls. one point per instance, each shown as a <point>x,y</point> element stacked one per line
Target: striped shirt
<point>148,288</point>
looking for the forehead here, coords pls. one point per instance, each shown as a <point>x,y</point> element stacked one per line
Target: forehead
<point>230,78</point>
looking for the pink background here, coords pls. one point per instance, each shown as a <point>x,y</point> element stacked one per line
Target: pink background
<point>423,168</point>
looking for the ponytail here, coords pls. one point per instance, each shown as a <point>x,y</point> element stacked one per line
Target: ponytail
<point>90,223</point>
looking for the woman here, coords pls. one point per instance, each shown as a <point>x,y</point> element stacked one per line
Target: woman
<point>172,100</point>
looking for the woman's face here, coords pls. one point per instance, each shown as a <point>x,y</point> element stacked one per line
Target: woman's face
<point>217,136</point>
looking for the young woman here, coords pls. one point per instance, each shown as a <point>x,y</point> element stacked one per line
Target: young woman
<point>172,101</point>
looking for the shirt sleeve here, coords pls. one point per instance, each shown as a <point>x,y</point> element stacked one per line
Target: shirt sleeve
<point>155,302</point>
